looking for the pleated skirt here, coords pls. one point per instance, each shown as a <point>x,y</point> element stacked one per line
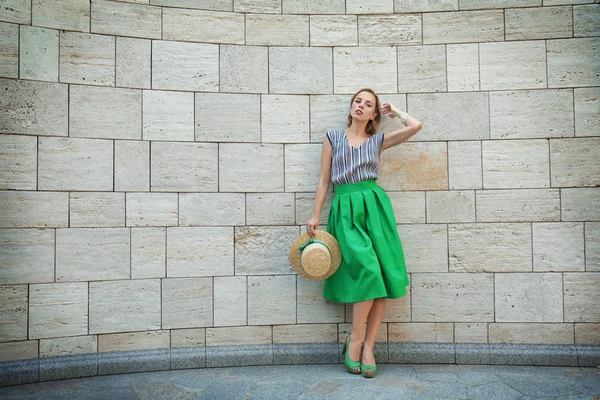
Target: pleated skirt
<point>362,220</point>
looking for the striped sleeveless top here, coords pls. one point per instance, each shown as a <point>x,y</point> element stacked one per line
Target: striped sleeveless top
<point>351,164</point>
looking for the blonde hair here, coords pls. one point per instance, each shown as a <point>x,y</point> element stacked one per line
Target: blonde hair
<point>372,125</point>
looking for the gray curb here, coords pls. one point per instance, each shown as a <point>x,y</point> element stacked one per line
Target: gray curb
<point>66,367</point>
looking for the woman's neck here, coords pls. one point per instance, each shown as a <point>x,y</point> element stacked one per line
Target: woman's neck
<point>357,128</point>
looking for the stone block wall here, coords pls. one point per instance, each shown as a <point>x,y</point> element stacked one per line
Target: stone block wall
<point>158,157</point>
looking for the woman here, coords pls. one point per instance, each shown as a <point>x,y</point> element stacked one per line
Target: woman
<point>362,220</point>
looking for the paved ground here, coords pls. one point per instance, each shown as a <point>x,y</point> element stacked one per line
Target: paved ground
<point>406,381</point>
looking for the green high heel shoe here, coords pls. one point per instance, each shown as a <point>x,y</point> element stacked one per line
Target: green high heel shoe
<point>368,371</point>
<point>350,365</point>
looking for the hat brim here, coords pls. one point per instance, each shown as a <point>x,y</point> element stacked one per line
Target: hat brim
<point>334,251</point>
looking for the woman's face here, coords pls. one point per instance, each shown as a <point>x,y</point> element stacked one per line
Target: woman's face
<point>363,107</point>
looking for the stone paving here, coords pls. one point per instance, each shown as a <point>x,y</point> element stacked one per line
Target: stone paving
<point>393,381</point>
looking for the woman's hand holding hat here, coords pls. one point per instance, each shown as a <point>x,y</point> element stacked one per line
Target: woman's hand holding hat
<point>312,225</point>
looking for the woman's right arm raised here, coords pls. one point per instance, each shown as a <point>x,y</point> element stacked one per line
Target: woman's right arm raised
<point>322,187</point>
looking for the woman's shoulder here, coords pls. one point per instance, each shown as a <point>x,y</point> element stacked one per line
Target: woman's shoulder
<point>335,133</point>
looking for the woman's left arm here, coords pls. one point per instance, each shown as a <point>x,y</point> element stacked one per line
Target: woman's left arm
<point>411,126</point>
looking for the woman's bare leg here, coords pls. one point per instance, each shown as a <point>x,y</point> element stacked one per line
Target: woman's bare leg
<point>373,323</point>
<point>360,312</point>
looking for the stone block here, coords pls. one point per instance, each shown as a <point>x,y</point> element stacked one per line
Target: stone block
<point>17,11</point>
<point>585,20</point>
<point>19,372</point>
<point>9,54</point>
<point>305,204</point>
<point>430,332</point>
<point>392,30</point>
<point>39,54</point>
<point>581,291</point>
<point>152,209</point>
<point>592,246</point>
<point>518,205</point>
<point>96,209</point>
<point>105,113</point>
<point>409,207</point>
<point>244,69</point>
<point>184,167</point>
<point>425,255</point>
<point>422,353</point>
<point>462,67</point>
<point>443,115</point>
<point>452,297</point>
<point>263,250</point>
<point>132,165</point>
<point>326,113</point>
<point>313,6</point>
<point>472,353</point>
<point>277,30</point>
<point>575,162</point>
<point>87,59</point>
<point>34,209</point>
<point>558,246</point>
<point>490,247</point>
<point>187,25</point>
<point>168,115</point>
<point>193,252</point>
<point>22,350</point>
<point>303,354</point>
<point>26,256</point>
<point>299,70</point>
<point>312,307</point>
<point>531,333</point>
<point>68,346</point>
<point>86,254</point>
<point>573,62</point>
<point>133,61</point>
<point>333,30</point>
<point>531,114</point>
<point>528,354</point>
<point>216,5</point>
<point>34,108</point>
<point>377,67</point>
<point>528,297</point>
<point>185,66</point>
<point>291,126</point>
<point>239,356</point>
<point>581,204</point>
<point>415,166</point>
<point>422,69</point>
<point>587,334</point>
<point>198,209</point>
<point>470,333</point>
<point>134,361</point>
<point>14,310</point>
<point>516,164</point>
<point>148,253</point>
<point>271,300</point>
<point>538,23</point>
<point>270,209</point>
<point>18,162</point>
<point>58,309</point>
<point>263,171</point>
<point>451,206</point>
<point>513,65</point>
<point>474,4</point>
<point>463,26</point>
<point>188,337</point>
<point>587,356</point>
<point>188,358</point>
<point>257,6</point>
<point>245,127</point>
<point>372,7</point>
<point>305,333</point>
<point>187,302</point>
<point>230,300</point>
<point>401,6</point>
<point>464,165</point>
<point>398,310</point>
<point>587,111</point>
<point>127,305</point>
<point>302,167</point>
<point>71,15</point>
<point>68,367</point>
<point>123,19</point>
<point>75,164</point>
<point>239,335</point>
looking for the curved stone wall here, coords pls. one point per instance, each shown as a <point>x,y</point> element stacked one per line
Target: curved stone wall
<point>157,158</point>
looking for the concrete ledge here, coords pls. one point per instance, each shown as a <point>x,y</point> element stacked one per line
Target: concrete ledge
<point>34,370</point>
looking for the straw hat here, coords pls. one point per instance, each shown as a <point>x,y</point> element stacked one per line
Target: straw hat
<point>315,258</point>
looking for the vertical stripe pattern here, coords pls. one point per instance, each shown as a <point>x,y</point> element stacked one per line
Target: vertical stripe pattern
<point>354,164</point>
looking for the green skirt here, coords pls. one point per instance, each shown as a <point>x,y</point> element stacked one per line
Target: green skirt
<point>362,220</point>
